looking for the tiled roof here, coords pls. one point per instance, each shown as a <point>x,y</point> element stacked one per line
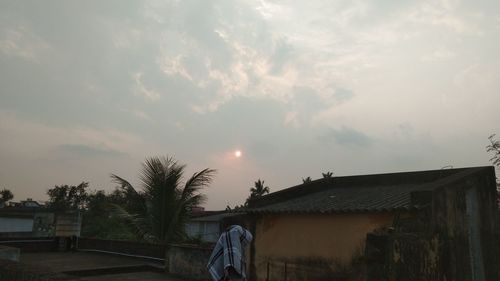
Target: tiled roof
<point>214,218</point>
<point>367,193</point>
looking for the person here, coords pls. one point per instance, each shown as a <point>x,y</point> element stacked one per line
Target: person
<point>227,261</point>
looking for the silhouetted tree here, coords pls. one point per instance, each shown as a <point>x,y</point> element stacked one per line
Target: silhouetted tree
<point>98,222</point>
<point>257,191</point>
<point>494,148</point>
<point>5,195</point>
<point>306,180</point>
<point>65,197</point>
<point>158,212</point>
<point>327,175</point>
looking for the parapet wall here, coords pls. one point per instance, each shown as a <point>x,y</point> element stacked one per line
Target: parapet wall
<point>9,253</point>
<point>189,261</point>
<point>15,271</point>
<point>124,247</point>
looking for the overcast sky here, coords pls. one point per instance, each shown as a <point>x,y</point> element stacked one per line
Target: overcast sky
<point>89,88</point>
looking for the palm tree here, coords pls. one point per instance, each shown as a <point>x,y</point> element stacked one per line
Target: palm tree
<point>159,211</point>
<point>327,175</point>
<point>306,180</point>
<point>258,190</point>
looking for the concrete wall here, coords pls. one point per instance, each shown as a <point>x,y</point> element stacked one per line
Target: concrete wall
<point>68,224</point>
<point>9,224</point>
<point>454,238</point>
<point>14,271</point>
<point>186,261</point>
<point>315,244</point>
<point>189,262</point>
<point>30,244</point>
<point>124,247</point>
<point>9,253</point>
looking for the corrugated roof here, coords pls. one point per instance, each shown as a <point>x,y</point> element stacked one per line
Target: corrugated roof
<point>367,193</point>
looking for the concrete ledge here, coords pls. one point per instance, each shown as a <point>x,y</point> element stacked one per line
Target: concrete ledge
<point>16,271</point>
<point>9,253</point>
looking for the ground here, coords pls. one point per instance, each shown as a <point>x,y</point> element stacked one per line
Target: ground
<point>99,266</point>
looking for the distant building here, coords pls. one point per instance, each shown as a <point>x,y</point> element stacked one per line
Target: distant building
<point>28,203</point>
<point>28,219</point>
<point>197,209</point>
<point>206,227</point>
<point>26,222</point>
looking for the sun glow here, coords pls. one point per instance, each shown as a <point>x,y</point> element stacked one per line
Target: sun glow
<point>237,153</point>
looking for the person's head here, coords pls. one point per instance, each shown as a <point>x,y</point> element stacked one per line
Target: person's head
<point>230,220</point>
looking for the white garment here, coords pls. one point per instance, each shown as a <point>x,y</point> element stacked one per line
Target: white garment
<point>229,252</point>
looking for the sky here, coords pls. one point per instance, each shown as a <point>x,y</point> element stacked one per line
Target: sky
<point>90,88</point>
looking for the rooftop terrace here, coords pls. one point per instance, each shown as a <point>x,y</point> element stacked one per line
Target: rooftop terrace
<point>97,266</point>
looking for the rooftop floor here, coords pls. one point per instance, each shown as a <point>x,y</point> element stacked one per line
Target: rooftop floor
<point>98,266</point>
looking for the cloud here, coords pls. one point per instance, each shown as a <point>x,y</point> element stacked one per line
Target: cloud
<point>82,150</point>
<point>439,54</point>
<point>142,90</point>
<point>20,43</point>
<point>342,95</point>
<point>346,137</point>
<point>443,14</point>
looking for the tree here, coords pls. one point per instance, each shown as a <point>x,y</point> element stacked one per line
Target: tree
<point>306,180</point>
<point>98,222</point>
<point>65,197</point>
<point>257,191</point>
<point>494,147</point>
<point>6,195</point>
<point>159,210</point>
<point>327,175</point>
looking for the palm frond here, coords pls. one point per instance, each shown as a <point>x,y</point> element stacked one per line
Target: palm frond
<point>139,224</point>
<point>197,181</point>
<point>123,183</point>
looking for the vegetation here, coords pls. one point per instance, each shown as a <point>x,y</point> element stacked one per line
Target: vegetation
<point>98,222</point>
<point>159,210</point>
<point>5,195</point>
<point>327,175</point>
<point>155,213</point>
<point>494,148</point>
<point>257,191</point>
<point>306,180</point>
<point>65,197</point>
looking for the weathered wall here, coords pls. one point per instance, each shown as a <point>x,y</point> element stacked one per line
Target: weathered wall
<point>466,226</point>
<point>311,245</point>
<point>452,239</point>
<point>189,262</point>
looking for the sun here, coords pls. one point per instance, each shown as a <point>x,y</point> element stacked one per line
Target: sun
<point>237,153</point>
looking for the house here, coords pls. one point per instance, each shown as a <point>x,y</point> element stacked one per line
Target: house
<point>26,222</point>
<point>207,226</point>
<point>315,230</point>
<point>30,221</point>
<point>28,203</point>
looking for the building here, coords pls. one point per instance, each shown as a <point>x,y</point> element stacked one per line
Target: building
<point>26,222</point>
<point>314,230</point>
<point>207,228</point>
<point>28,203</point>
